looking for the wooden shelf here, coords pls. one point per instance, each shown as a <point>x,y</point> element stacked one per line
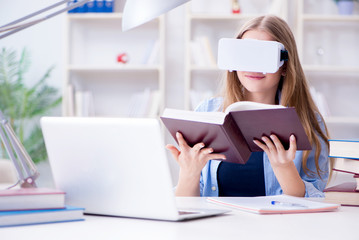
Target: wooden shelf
<point>342,120</point>
<point>112,68</point>
<point>211,17</point>
<point>205,68</point>
<point>94,16</point>
<point>329,18</point>
<point>330,68</point>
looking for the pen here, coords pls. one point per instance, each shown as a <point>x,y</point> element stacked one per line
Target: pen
<point>288,204</point>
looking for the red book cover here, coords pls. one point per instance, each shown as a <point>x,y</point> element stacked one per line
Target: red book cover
<point>344,171</point>
<point>356,177</point>
<point>232,134</point>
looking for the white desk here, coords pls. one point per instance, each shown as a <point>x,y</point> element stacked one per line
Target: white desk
<point>342,224</point>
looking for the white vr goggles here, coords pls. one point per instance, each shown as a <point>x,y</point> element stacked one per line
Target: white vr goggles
<point>251,55</point>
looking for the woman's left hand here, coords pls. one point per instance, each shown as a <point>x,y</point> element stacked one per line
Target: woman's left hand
<point>283,165</point>
<point>278,156</point>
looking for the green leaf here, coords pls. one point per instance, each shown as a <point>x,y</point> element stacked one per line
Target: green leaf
<point>23,104</point>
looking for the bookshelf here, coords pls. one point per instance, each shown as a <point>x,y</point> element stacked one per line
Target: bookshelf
<point>215,21</point>
<point>93,42</point>
<point>325,42</point>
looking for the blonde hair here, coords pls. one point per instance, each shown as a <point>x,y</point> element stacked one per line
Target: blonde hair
<point>294,86</point>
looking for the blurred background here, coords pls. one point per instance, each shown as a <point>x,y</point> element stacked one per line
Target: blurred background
<point>82,64</point>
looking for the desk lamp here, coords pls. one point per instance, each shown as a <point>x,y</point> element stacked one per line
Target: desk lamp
<point>25,167</point>
<point>136,12</point>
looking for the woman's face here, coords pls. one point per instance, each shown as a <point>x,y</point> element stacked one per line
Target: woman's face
<point>259,86</point>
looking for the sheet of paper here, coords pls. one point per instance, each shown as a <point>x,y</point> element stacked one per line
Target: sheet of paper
<point>274,204</point>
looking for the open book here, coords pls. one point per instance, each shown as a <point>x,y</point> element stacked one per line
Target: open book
<point>232,132</point>
<point>274,204</point>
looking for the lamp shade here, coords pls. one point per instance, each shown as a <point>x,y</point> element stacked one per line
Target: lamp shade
<point>137,12</point>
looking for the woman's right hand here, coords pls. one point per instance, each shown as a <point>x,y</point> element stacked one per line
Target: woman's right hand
<point>191,161</point>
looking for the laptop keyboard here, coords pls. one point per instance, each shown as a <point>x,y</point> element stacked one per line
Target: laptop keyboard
<point>182,212</point>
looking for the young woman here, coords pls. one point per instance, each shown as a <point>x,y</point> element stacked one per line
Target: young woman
<point>276,170</point>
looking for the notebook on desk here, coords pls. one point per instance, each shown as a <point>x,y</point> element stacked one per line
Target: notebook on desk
<point>114,166</point>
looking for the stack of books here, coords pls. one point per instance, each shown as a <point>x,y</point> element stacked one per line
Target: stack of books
<point>346,154</point>
<point>34,206</point>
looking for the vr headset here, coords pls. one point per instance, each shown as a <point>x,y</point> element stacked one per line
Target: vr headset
<point>251,55</point>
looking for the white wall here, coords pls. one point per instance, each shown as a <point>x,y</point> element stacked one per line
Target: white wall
<point>43,41</point>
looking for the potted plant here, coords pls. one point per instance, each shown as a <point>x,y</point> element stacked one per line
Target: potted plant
<point>345,7</point>
<point>24,105</point>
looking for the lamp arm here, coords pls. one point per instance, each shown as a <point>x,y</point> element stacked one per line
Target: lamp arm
<point>7,27</point>
<point>35,13</point>
<point>25,167</point>
<point>10,152</point>
<point>11,28</point>
<point>24,158</point>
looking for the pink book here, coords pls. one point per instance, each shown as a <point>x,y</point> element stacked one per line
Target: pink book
<point>347,165</point>
<point>344,193</point>
<point>31,198</point>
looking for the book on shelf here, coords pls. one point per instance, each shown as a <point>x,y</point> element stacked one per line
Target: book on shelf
<point>99,6</point>
<point>206,50</point>
<point>348,165</point>
<point>74,10</point>
<point>84,104</point>
<point>212,6</point>
<point>232,132</point>
<point>344,148</point>
<point>79,103</point>
<point>277,8</point>
<point>70,100</point>
<point>144,104</point>
<point>150,49</point>
<point>108,6</point>
<point>81,9</point>
<point>201,51</point>
<point>154,105</point>
<point>346,193</point>
<point>40,216</point>
<point>31,198</point>
<point>138,103</point>
<point>91,6</point>
<point>153,57</point>
<point>277,204</point>
<point>196,54</point>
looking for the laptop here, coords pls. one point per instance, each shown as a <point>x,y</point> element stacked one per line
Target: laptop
<point>115,167</point>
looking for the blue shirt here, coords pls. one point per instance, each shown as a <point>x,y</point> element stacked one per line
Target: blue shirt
<point>314,185</point>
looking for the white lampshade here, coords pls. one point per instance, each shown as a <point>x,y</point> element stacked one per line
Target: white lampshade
<point>137,12</point>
